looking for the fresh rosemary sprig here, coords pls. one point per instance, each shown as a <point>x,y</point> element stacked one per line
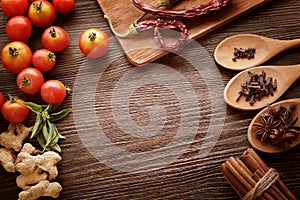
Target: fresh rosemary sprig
<point>44,128</point>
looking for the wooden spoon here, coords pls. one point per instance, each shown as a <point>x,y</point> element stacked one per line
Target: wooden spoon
<point>266,146</point>
<point>265,48</point>
<point>285,76</point>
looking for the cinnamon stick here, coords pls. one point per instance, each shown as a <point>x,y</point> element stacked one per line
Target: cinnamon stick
<point>265,168</point>
<point>255,167</point>
<point>232,180</point>
<point>249,172</point>
<point>247,177</point>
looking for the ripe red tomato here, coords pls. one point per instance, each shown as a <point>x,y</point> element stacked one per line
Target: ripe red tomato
<point>14,110</point>
<point>43,59</point>
<point>30,80</point>
<point>18,28</point>
<point>93,43</point>
<point>2,100</point>
<point>41,13</point>
<point>55,39</point>
<point>13,8</point>
<point>16,56</point>
<point>53,92</point>
<point>63,6</point>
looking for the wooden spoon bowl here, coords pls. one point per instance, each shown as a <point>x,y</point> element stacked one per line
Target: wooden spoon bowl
<point>267,147</point>
<point>285,76</point>
<point>266,48</point>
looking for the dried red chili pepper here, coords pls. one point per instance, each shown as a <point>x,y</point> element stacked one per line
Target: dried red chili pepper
<point>182,14</point>
<point>168,3</point>
<point>157,24</point>
<point>168,25</point>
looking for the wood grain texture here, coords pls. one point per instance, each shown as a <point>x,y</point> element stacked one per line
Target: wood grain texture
<point>190,176</point>
<point>142,48</point>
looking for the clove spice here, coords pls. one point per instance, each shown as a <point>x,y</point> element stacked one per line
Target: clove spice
<point>243,53</point>
<point>257,86</point>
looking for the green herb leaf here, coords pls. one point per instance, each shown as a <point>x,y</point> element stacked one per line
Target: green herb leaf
<point>54,140</point>
<point>48,108</point>
<point>50,132</point>
<point>56,147</point>
<point>60,115</point>
<point>37,127</point>
<point>54,107</point>
<point>41,140</point>
<point>44,128</point>
<point>34,107</point>
<point>61,136</point>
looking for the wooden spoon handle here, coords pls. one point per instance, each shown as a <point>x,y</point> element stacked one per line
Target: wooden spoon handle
<point>289,44</point>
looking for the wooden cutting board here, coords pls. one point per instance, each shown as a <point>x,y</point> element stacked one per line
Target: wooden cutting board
<point>122,13</point>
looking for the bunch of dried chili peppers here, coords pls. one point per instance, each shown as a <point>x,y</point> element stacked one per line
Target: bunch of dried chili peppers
<point>168,19</point>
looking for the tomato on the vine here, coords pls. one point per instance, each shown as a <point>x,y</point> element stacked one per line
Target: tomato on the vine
<point>53,92</point>
<point>2,100</point>
<point>93,43</point>
<point>30,80</point>
<point>16,56</point>
<point>55,39</point>
<point>63,6</point>
<point>43,59</point>
<point>41,13</point>
<point>14,8</point>
<point>14,110</point>
<point>19,28</point>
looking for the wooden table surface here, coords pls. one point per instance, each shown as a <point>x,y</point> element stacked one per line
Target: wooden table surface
<point>160,131</point>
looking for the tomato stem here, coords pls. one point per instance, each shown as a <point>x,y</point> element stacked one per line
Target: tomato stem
<point>69,90</point>
<point>13,52</point>
<point>52,32</point>
<point>92,36</point>
<point>38,6</point>
<point>13,99</point>
<point>51,56</point>
<point>24,82</point>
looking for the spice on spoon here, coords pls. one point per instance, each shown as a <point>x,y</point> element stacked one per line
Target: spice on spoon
<point>278,126</point>
<point>257,86</point>
<point>243,53</point>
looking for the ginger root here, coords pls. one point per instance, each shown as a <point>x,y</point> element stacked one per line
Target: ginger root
<point>7,159</point>
<point>14,137</point>
<point>12,140</point>
<point>43,188</point>
<point>33,169</point>
<point>36,169</point>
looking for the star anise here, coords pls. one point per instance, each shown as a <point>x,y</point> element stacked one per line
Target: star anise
<point>278,126</point>
<point>266,126</point>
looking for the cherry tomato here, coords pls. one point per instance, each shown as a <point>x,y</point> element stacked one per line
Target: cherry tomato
<point>41,13</point>
<point>16,56</point>
<point>53,92</point>
<point>55,39</point>
<point>13,8</point>
<point>30,80</point>
<point>63,6</point>
<point>14,110</point>
<point>2,100</point>
<point>18,28</point>
<point>93,43</point>
<point>43,59</point>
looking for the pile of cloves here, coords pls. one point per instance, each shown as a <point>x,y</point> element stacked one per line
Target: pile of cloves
<point>257,86</point>
<point>243,53</point>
